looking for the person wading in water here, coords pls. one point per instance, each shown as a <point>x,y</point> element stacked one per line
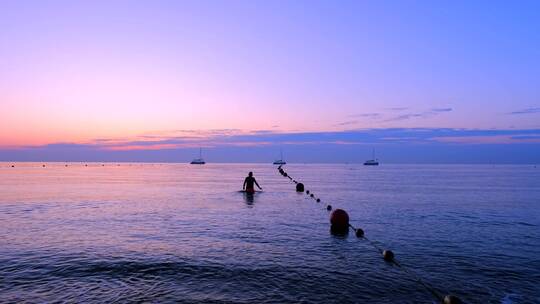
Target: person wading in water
<point>248,183</point>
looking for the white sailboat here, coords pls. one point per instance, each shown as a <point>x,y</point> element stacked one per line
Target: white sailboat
<point>200,160</point>
<point>373,161</point>
<point>280,161</point>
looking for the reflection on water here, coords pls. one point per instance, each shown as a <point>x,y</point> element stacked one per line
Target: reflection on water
<point>249,198</point>
<point>169,233</point>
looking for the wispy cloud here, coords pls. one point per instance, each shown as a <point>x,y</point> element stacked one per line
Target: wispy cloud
<point>347,123</point>
<point>526,137</point>
<point>408,116</point>
<point>441,109</point>
<point>268,137</point>
<point>192,132</point>
<point>389,115</point>
<point>526,111</point>
<point>366,115</point>
<point>263,131</point>
<point>425,114</point>
<point>433,141</point>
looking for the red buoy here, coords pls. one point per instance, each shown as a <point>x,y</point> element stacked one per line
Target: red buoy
<point>339,221</point>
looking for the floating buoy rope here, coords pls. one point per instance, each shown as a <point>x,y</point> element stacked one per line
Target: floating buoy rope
<point>339,224</point>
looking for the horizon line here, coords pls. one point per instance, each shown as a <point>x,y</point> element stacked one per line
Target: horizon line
<point>269,163</point>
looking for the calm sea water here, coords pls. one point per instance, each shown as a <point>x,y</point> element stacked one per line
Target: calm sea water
<point>182,233</point>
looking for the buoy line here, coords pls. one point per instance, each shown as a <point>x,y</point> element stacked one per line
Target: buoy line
<point>339,224</point>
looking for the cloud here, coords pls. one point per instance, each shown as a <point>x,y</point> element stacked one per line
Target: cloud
<point>358,136</point>
<point>408,116</point>
<point>425,114</point>
<point>441,109</point>
<point>367,115</point>
<point>347,123</point>
<point>263,131</point>
<point>526,111</point>
<point>526,137</point>
<point>328,146</point>
<point>268,137</point>
<point>186,133</point>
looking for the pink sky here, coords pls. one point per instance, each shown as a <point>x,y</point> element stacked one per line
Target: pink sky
<point>76,72</point>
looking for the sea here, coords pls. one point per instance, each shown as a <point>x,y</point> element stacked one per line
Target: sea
<point>180,233</point>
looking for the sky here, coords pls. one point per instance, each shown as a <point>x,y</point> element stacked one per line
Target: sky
<point>324,81</point>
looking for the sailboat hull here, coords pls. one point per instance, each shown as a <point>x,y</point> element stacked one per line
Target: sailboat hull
<point>198,161</point>
<point>280,161</point>
<point>373,161</point>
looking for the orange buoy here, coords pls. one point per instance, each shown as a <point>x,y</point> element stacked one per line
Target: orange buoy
<point>299,187</point>
<point>359,233</point>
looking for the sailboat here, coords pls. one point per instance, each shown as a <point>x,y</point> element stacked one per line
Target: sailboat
<point>200,160</point>
<point>280,161</point>
<point>373,161</point>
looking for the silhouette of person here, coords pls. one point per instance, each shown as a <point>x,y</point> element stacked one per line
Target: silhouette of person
<point>248,183</point>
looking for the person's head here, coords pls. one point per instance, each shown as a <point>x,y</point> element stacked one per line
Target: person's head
<point>250,174</point>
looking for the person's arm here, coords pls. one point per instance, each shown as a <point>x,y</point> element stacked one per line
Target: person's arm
<point>244,186</point>
<point>257,184</point>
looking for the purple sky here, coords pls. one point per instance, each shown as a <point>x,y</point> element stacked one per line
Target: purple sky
<point>325,81</point>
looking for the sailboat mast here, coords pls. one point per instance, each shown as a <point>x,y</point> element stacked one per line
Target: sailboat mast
<point>200,153</point>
